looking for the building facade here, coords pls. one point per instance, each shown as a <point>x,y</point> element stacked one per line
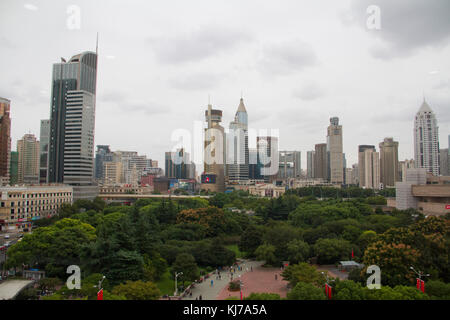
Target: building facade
<point>444,162</point>
<point>389,162</point>
<point>268,158</point>
<point>426,140</point>
<point>14,168</point>
<point>23,204</point>
<point>320,161</point>
<point>368,167</point>
<point>28,160</point>
<point>103,154</point>
<point>310,161</point>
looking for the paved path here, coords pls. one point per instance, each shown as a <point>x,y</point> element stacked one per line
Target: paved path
<point>261,280</point>
<point>209,292</point>
<point>10,288</point>
<point>333,271</point>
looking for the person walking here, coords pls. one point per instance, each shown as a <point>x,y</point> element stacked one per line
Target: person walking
<point>276,276</point>
<point>212,283</point>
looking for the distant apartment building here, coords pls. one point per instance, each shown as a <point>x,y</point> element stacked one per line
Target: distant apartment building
<point>268,157</point>
<point>368,167</point>
<point>389,162</point>
<point>266,190</point>
<point>23,204</point>
<point>102,155</point>
<point>335,156</point>
<point>403,166</point>
<point>112,173</point>
<point>5,140</point>
<point>178,165</point>
<point>28,160</point>
<point>44,140</point>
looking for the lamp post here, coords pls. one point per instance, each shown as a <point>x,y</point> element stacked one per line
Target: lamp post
<point>420,282</point>
<point>176,285</point>
<point>100,289</point>
<point>327,284</point>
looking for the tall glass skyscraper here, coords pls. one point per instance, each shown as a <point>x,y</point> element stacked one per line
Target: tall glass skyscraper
<point>72,122</point>
<point>426,140</point>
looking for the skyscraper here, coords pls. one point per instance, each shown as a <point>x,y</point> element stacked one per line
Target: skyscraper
<point>320,161</point>
<point>335,152</point>
<point>178,165</point>
<point>237,146</point>
<point>213,177</point>
<point>28,161</point>
<point>426,140</point>
<point>389,162</point>
<point>44,139</point>
<point>310,161</point>
<point>14,168</point>
<point>72,121</point>
<point>444,162</point>
<point>5,140</point>
<point>268,157</point>
<point>103,154</point>
<point>289,164</point>
<point>369,167</point>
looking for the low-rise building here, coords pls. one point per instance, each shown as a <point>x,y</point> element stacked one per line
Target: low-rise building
<point>126,189</point>
<point>20,205</point>
<point>266,190</point>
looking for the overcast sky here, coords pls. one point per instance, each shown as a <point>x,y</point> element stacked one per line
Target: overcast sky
<point>298,63</point>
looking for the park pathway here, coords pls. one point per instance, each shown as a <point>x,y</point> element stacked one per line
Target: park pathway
<point>209,292</point>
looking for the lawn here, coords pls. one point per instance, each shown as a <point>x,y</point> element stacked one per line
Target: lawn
<point>235,249</point>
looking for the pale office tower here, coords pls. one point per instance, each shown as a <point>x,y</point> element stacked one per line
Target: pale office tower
<point>5,140</point>
<point>320,161</point>
<point>133,165</point>
<point>213,177</point>
<point>335,152</point>
<point>403,166</point>
<point>369,167</point>
<point>389,162</point>
<point>348,176</point>
<point>72,123</point>
<point>268,157</point>
<point>355,174</point>
<point>289,164</point>
<point>310,172</point>
<point>237,146</point>
<point>44,139</point>
<point>444,162</point>
<point>426,140</point>
<point>28,163</point>
<point>112,173</point>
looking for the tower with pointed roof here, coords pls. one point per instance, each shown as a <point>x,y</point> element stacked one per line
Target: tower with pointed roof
<point>237,147</point>
<point>426,139</point>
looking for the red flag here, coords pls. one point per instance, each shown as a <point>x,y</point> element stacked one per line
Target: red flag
<point>241,294</point>
<point>100,295</point>
<point>326,289</point>
<point>418,283</point>
<point>422,286</point>
<point>352,254</point>
<point>329,292</point>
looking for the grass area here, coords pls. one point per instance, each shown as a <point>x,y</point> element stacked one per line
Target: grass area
<point>235,249</point>
<point>166,284</point>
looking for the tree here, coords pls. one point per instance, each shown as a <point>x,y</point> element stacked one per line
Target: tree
<point>137,290</point>
<point>306,291</point>
<point>366,238</point>
<point>438,290</point>
<point>251,239</point>
<point>185,263</point>
<point>348,290</point>
<point>303,272</point>
<point>212,218</point>
<point>332,250</point>
<point>298,251</point>
<point>266,252</point>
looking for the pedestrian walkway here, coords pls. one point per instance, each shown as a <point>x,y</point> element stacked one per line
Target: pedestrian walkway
<point>209,292</point>
<point>9,289</point>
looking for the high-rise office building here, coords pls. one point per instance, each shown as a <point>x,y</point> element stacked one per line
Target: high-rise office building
<point>268,158</point>
<point>5,140</point>
<point>310,161</point>
<point>289,164</point>
<point>44,139</point>
<point>213,177</point>
<point>14,168</point>
<point>72,122</point>
<point>320,161</point>
<point>253,171</point>
<point>178,165</point>
<point>403,166</point>
<point>389,162</point>
<point>444,162</point>
<point>28,162</point>
<point>369,167</point>
<point>103,154</point>
<point>237,146</point>
<point>335,152</point>
<point>426,140</point>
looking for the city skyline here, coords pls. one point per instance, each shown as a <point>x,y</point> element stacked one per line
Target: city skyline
<point>295,83</point>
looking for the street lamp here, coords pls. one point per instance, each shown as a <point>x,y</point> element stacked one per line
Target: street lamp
<point>176,285</point>
<point>419,273</point>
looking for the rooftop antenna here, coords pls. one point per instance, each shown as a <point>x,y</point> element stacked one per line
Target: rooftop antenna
<point>96,45</point>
